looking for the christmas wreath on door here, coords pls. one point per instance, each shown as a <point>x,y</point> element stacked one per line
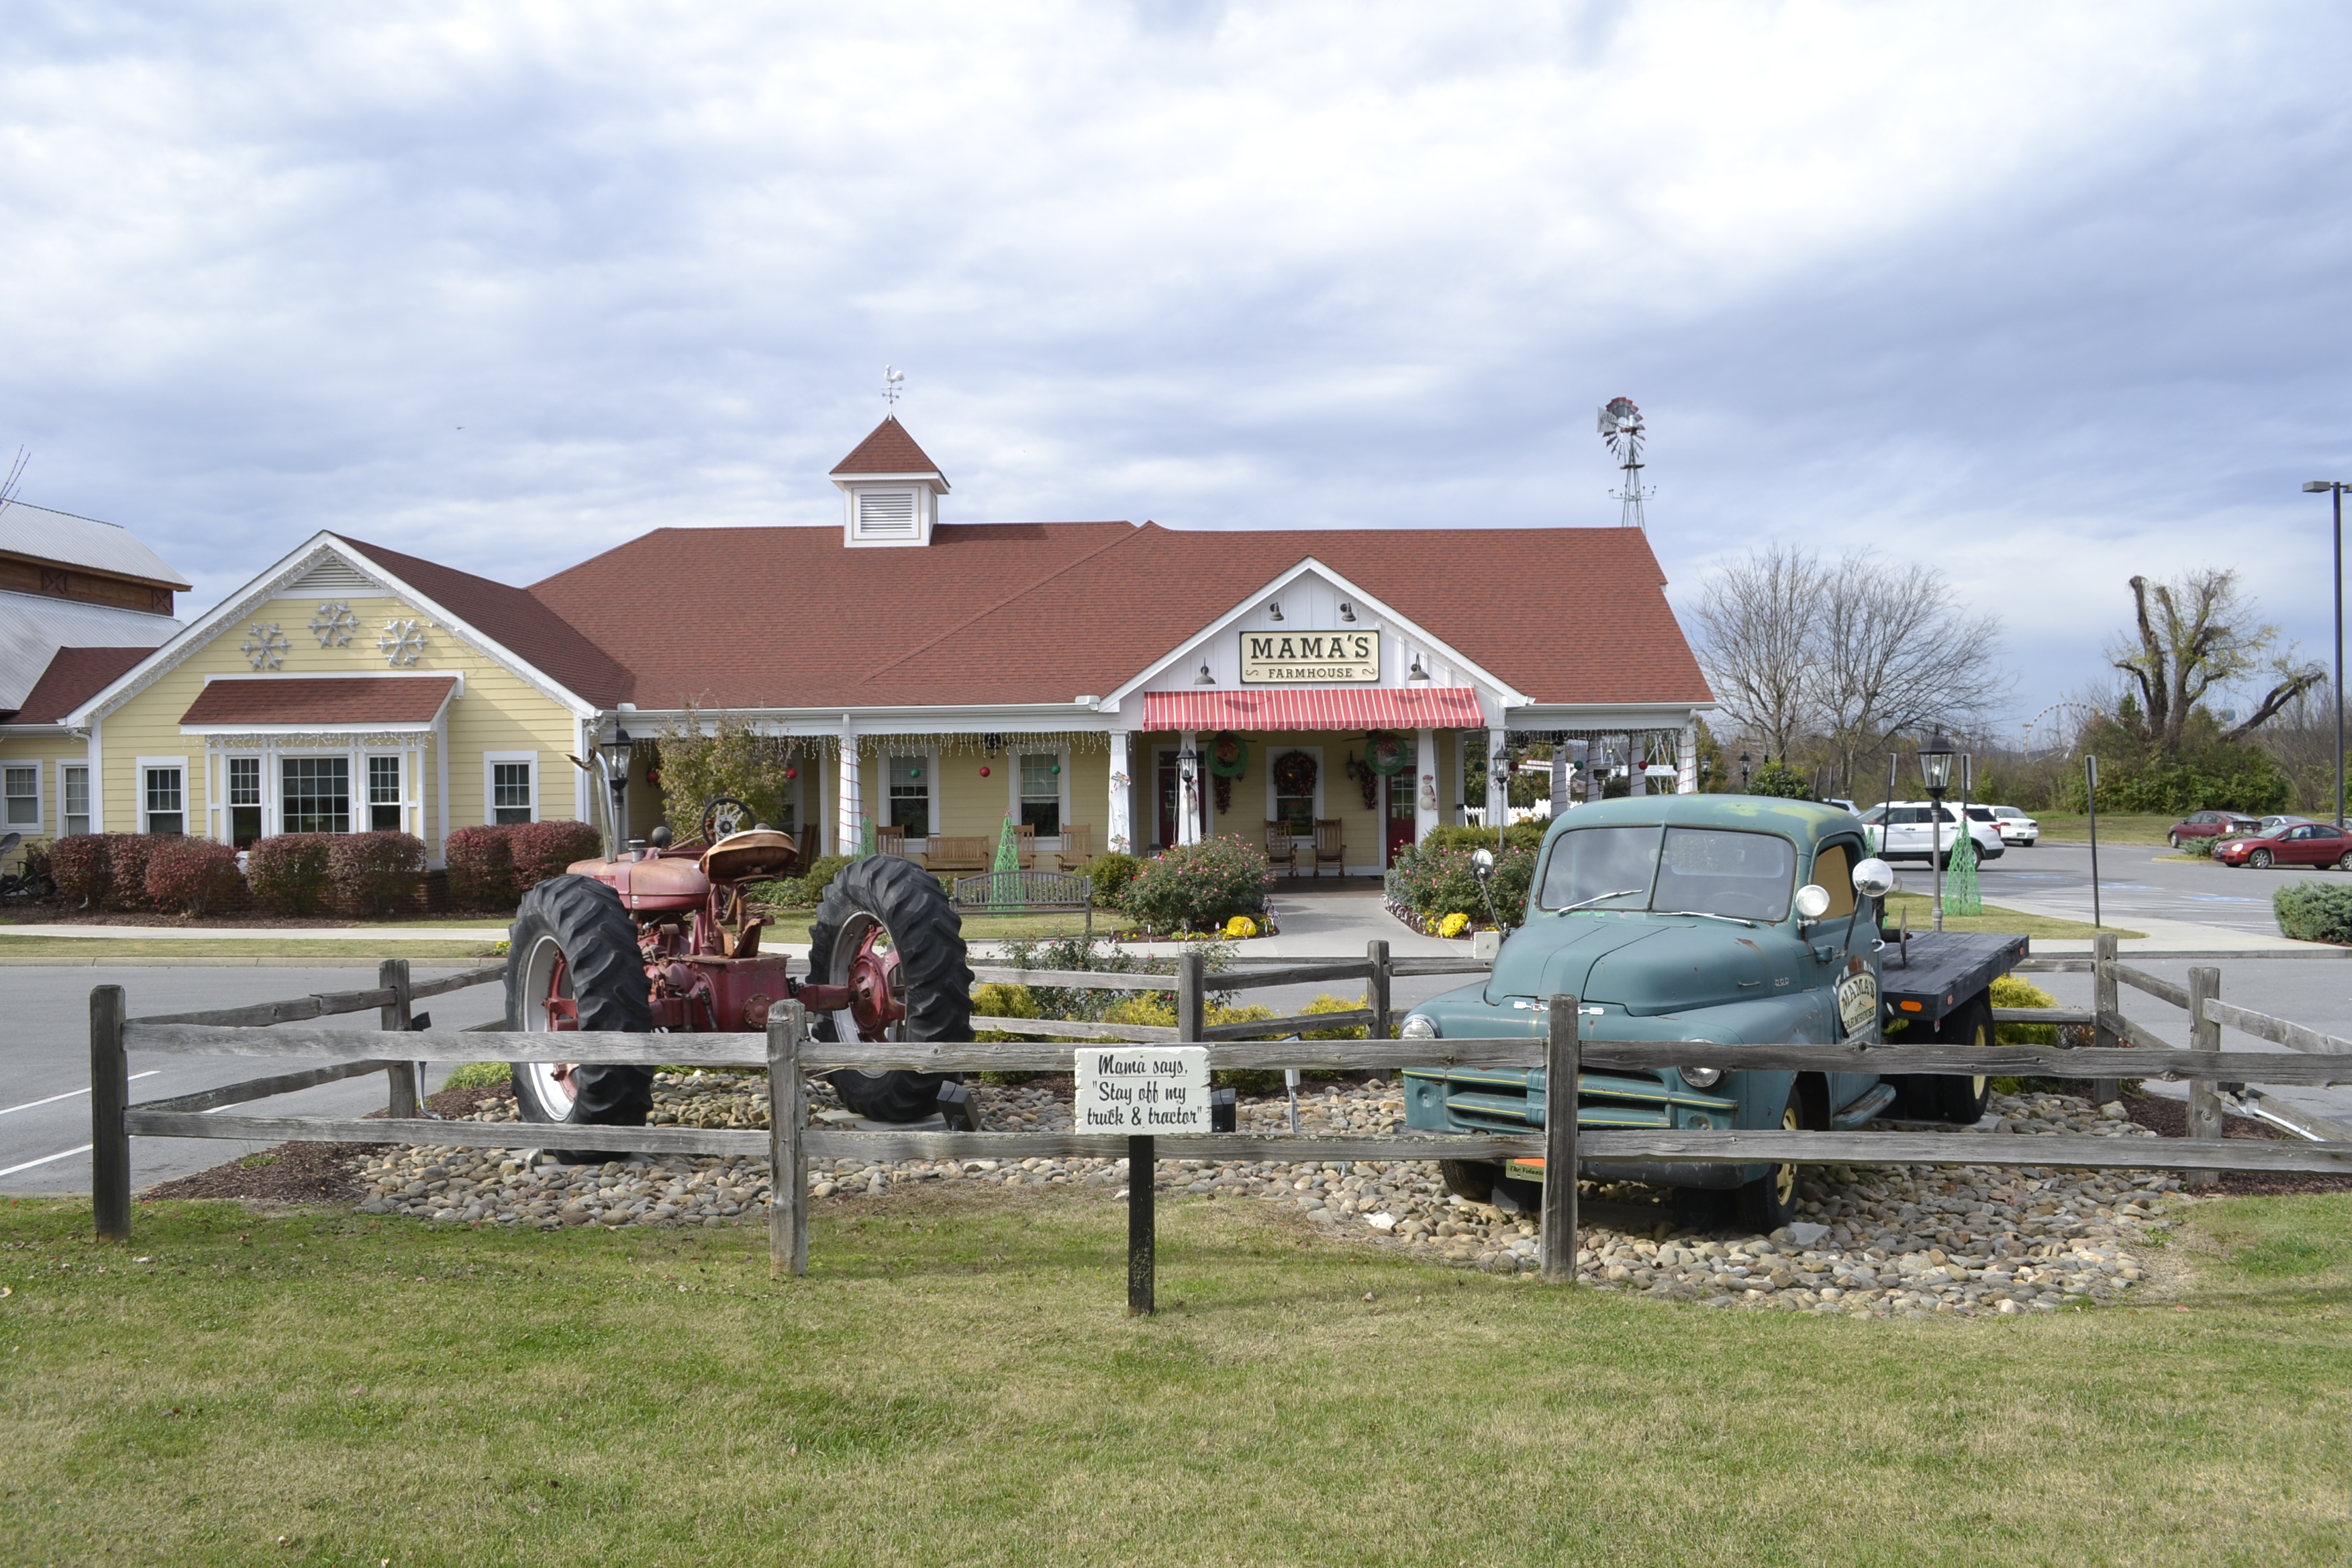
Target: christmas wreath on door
<point>1385,752</point>
<point>1294,774</point>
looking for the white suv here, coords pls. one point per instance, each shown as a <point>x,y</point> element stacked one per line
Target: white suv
<point>1906,833</point>
<point>2016,827</point>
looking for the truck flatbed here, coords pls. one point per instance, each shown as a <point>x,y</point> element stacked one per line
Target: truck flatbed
<point>1936,970</point>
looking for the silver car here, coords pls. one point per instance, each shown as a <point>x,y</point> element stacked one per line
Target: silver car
<point>1907,832</point>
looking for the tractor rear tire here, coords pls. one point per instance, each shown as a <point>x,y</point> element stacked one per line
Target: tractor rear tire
<point>908,903</point>
<point>582,920</point>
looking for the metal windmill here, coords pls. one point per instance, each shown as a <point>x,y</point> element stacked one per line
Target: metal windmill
<point>1622,427</point>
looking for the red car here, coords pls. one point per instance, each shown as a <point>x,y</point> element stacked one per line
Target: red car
<point>2293,843</point>
<point>2210,824</point>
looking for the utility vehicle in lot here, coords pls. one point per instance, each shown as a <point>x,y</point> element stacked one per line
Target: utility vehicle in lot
<point>1717,918</point>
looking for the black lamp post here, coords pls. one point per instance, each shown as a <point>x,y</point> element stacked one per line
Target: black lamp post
<point>1935,773</point>
<point>1744,760</point>
<point>2334,488</point>
<point>1499,782</point>
<point>1188,769</point>
<point>617,751</point>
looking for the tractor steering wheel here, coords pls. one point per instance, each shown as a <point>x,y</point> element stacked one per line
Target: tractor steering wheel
<point>723,814</point>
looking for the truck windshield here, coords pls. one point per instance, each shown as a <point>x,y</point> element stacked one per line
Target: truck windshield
<point>1671,870</point>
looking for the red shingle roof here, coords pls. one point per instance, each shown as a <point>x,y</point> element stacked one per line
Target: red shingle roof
<point>887,451</point>
<point>318,699</point>
<point>73,676</point>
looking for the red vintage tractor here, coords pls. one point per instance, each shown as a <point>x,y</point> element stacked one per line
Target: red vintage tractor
<point>661,938</point>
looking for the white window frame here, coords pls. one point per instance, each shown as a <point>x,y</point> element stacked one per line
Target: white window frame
<point>40,799</point>
<point>187,812</point>
<point>937,813</point>
<point>1267,754</point>
<point>490,760</point>
<point>227,804</point>
<point>65,798</point>
<point>400,803</point>
<point>273,775</point>
<point>1012,755</point>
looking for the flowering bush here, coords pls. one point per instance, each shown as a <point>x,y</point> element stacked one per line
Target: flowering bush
<point>127,855</point>
<point>82,870</point>
<point>1198,886</point>
<point>482,868</point>
<point>191,875</point>
<point>1435,879</point>
<point>373,873</point>
<point>542,849</point>
<point>289,873</point>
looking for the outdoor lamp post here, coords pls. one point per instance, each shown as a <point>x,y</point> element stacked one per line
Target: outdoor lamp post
<point>617,751</point>
<point>1935,773</point>
<point>1188,773</point>
<point>1498,789</point>
<point>1744,760</point>
<point>2334,488</point>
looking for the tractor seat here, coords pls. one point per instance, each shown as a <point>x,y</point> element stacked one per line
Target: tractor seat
<point>754,852</point>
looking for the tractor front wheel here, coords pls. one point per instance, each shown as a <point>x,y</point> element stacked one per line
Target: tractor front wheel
<point>572,963</point>
<point>888,918</point>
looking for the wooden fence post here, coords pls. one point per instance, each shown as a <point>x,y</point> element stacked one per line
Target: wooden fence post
<point>1142,1240</point>
<point>2103,1004</point>
<point>1562,1063</point>
<point>393,973</point>
<point>787,1154</point>
<point>1377,991</point>
<point>1191,1003</point>
<point>110,1094</point>
<point>2204,1101</point>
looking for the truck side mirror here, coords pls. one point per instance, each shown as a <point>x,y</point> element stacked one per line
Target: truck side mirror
<point>1482,863</point>
<point>1813,901</point>
<point>1874,878</point>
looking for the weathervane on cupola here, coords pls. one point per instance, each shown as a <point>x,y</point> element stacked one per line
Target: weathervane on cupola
<point>894,385</point>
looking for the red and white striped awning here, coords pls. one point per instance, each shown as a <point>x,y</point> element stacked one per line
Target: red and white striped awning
<point>1316,708</point>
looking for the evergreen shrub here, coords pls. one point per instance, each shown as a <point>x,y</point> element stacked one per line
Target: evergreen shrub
<point>289,874</point>
<point>191,875</point>
<point>482,868</point>
<point>373,873</point>
<point>2314,911</point>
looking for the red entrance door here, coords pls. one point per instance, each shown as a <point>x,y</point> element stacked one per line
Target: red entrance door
<point>1401,819</point>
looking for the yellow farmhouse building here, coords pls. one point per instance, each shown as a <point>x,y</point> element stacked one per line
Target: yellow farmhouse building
<point>1106,685</point>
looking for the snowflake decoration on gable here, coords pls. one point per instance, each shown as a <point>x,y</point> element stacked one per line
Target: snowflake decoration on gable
<point>333,625</point>
<point>264,645</point>
<point>401,642</point>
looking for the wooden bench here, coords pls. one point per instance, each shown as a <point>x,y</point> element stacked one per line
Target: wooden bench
<point>942,853</point>
<point>1026,892</point>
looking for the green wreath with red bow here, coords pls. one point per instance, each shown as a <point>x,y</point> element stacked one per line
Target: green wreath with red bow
<point>1385,752</point>
<point>1228,756</point>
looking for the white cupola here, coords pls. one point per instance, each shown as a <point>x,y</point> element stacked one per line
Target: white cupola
<point>891,490</point>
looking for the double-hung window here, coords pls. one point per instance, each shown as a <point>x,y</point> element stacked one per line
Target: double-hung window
<point>511,793</point>
<point>244,801</point>
<point>317,794</point>
<point>73,786</point>
<point>1041,793</point>
<point>911,795</point>
<point>383,793</point>
<point>164,799</point>
<point>20,791</point>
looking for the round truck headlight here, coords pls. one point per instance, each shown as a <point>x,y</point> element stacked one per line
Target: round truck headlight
<point>1417,1027</point>
<point>1701,1078</point>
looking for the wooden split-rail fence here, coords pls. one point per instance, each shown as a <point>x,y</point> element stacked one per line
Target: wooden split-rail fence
<point>787,1053</point>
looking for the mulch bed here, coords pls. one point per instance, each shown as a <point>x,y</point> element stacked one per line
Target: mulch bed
<point>2169,1118</point>
<point>306,1172</point>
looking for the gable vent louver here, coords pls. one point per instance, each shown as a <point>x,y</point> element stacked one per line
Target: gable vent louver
<point>886,514</point>
<point>331,576</point>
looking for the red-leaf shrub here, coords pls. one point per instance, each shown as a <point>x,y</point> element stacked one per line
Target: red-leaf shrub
<point>373,873</point>
<point>1195,886</point>
<point>544,849</point>
<point>191,875</point>
<point>83,869</point>
<point>482,868</point>
<point>289,873</point>
<point>127,854</point>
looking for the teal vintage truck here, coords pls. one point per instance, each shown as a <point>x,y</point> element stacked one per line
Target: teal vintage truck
<point>1718,918</point>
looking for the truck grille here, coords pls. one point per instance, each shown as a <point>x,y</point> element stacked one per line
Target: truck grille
<point>1507,1100</point>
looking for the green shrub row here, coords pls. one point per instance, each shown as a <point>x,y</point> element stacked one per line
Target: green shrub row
<point>2314,911</point>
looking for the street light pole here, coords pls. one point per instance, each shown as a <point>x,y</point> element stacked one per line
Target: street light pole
<point>2334,488</point>
<point>1935,773</point>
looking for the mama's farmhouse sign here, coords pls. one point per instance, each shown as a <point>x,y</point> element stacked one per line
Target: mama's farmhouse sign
<point>1303,659</point>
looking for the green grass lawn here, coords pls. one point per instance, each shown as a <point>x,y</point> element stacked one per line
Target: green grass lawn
<point>960,1382</point>
<point>1922,908</point>
<point>98,947</point>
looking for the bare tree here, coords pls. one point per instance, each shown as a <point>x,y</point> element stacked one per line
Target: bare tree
<point>1758,623</point>
<point>1898,653</point>
<point>2193,636</point>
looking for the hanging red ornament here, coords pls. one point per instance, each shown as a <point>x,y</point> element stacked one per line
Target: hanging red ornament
<point>983,770</point>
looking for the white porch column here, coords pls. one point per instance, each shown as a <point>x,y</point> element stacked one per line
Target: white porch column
<point>1425,800</point>
<point>849,824</point>
<point>1188,804</point>
<point>1687,761</point>
<point>1120,828</point>
<point>1498,783</point>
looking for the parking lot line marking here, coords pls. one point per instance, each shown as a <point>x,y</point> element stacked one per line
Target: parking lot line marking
<point>69,1094</point>
<point>43,1160</point>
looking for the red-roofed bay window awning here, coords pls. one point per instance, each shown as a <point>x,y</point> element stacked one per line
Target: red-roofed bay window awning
<point>1316,708</point>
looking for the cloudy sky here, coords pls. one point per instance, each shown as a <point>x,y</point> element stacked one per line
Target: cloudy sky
<point>2048,294</point>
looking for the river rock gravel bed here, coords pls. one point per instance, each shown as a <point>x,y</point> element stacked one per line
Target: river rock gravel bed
<point>1883,1241</point>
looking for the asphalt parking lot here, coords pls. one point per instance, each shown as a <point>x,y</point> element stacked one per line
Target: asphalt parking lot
<point>2133,879</point>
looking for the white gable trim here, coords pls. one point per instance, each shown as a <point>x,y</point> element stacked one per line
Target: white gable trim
<point>1415,639</point>
<point>273,583</point>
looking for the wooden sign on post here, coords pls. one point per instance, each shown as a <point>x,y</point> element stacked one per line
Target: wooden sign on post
<point>1143,1090</point>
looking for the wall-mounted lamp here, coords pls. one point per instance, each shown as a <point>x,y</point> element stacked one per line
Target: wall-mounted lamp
<point>1274,609</point>
<point>1416,675</point>
<point>1204,677</point>
<point>1347,611</point>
